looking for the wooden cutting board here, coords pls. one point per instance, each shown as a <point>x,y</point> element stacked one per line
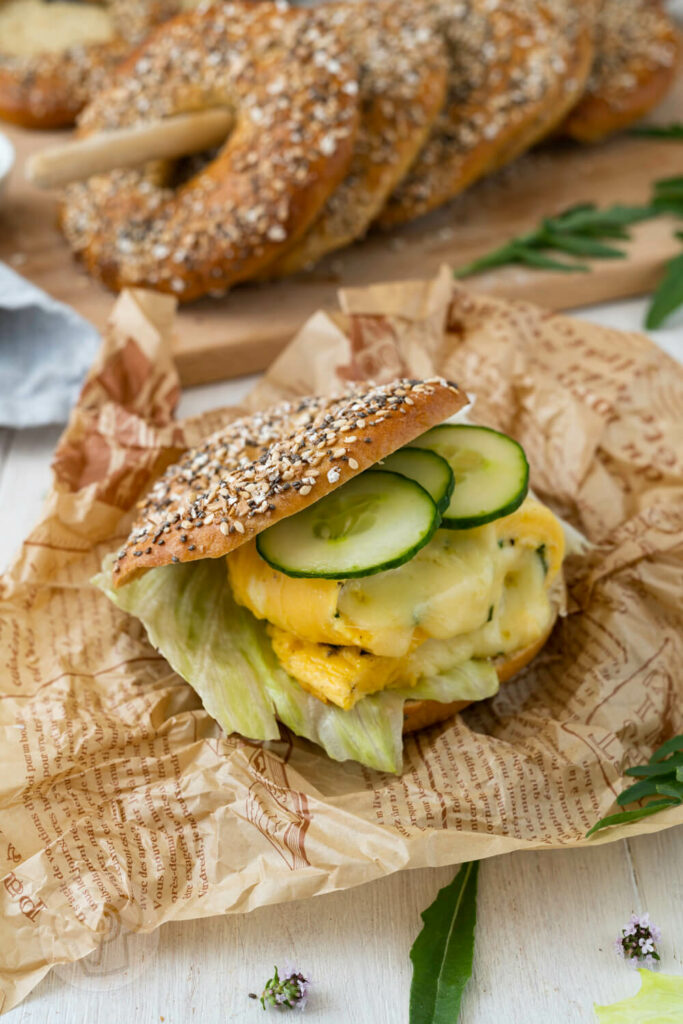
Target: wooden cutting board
<point>242,332</point>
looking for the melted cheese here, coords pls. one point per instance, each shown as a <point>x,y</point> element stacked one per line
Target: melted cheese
<point>446,589</point>
<point>305,607</point>
<point>345,674</point>
<point>468,593</point>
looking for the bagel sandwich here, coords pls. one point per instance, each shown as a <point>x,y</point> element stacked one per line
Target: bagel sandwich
<point>357,567</point>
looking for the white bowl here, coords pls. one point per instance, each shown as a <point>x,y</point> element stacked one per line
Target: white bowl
<point>6,161</point>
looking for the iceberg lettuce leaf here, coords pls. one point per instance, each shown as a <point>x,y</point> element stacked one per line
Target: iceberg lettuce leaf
<point>659,1001</point>
<point>218,647</point>
<point>472,680</point>
<point>225,654</point>
<point>370,732</point>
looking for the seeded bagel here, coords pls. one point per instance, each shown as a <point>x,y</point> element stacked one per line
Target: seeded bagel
<point>402,87</point>
<point>272,464</point>
<point>293,90</point>
<point>514,72</point>
<point>55,56</point>
<point>635,63</point>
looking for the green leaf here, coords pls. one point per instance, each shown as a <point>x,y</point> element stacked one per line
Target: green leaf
<point>626,816</point>
<point>574,231</point>
<point>225,654</point>
<point>573,211</point>
<point>442,953</point>
<point>657,768</point>
<point>584,219</point>
<point>470,680</point>
<point>659,131</point>
<point>669,204</point>
<point>661,776</point>
<point>668,195</point>
<point>583,246</point>
<point>606,231</point>
<point>672,185</point>
<point>671,746</point>
<point>668,296</point>
<point>497,258</point>
<point>370,732</point>
<point>672,789</point>
<point>533,258</point>
<point>638,791</point>
<point>214,644</point>
<point>659,1001</point>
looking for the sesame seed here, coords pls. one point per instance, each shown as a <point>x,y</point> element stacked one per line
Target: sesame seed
<point>506,60</point>
<point>178,237</point>
<point>249,466</point>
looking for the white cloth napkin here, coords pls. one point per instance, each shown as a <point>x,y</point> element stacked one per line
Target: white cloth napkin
<point>45,351</point>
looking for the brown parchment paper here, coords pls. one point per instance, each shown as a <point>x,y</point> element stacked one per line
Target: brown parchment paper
<point>120,796</point>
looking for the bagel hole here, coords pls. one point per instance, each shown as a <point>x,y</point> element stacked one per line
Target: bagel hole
<point>188,167</point>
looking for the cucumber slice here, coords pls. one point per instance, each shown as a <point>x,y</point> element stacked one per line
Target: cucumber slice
<point>430,471</point>
<point>491,472</point>
<point>373,522</point>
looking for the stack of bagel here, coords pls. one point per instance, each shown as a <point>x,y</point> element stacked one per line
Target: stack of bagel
<point>348,115</point>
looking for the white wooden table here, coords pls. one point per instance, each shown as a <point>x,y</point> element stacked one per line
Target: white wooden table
<point>546,921</point>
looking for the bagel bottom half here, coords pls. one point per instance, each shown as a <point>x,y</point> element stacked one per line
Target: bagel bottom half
<point>419,714</point>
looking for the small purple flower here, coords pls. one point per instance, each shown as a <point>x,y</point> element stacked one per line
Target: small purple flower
<point>287,993</point>
<point>637,942</point>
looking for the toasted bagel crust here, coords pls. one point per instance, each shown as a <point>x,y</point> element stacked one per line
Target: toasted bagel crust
<point>515,69</point>
<point>637,47</point>
<point>402,87</point>
<point>272,464</point>
<point>418,714</point>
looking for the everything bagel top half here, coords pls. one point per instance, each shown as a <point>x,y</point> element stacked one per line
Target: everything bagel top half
<point>393,555</point>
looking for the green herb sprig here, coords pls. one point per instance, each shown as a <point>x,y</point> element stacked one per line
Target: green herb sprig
<point>578,231</point>
<point>659,131</point>
<point>582,231</point>
<point>669,294</point>
<point>667,195</point>
<point>443,952</point>
<point>284,993</point>
<point>662,777</point>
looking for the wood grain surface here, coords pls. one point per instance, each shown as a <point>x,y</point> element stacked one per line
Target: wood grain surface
<point>545,931</point>
<point>243,331</point>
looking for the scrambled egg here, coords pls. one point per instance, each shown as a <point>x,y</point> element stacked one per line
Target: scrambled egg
<point>467,594</point>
